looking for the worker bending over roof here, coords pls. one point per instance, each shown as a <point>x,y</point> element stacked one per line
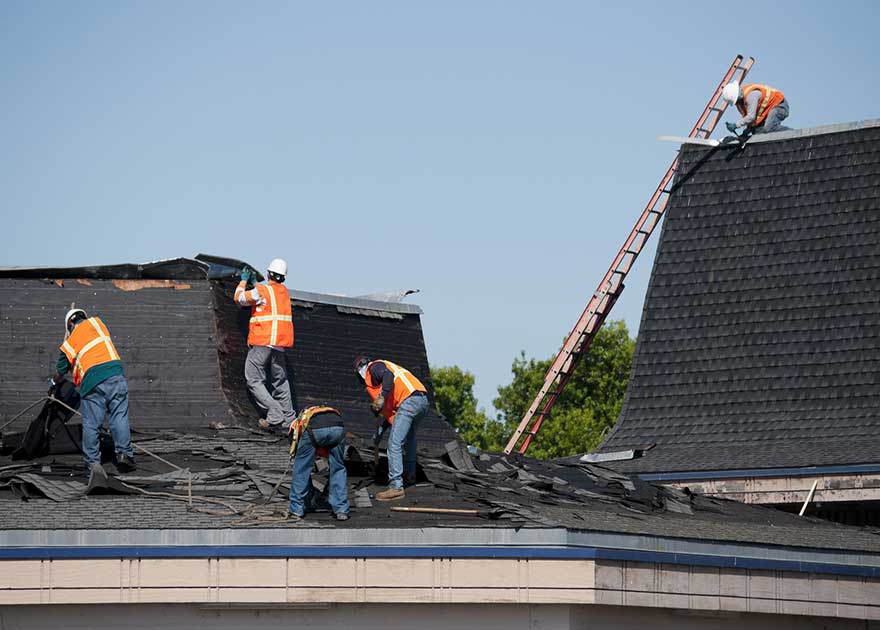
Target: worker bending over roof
<point>763,108</point>
<point>89,353</point>
<point>270,332</point>
<point>401,399</point>
<point>318,430</point>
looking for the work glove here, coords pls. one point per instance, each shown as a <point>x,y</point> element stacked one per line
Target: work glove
<point>246,274</point>
<point>52,385</point>
<point>731,127</point>
<point>378,404</point>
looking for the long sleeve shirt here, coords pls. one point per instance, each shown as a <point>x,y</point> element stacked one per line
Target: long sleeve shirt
<point>751,109</point>
<point>252,297</point>
<point>379,372</point>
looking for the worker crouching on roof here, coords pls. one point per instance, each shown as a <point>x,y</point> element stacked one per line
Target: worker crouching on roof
<point>401,399</point>
<point>270,332</point>
<point>89,353</point>
<point>763,108</point>
<point>318,431</point>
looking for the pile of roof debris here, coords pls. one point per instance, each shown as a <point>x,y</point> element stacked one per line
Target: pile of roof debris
<point>237,472</point>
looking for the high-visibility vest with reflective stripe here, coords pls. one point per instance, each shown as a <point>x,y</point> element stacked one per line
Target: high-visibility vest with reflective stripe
<point>272,322</point>
<point>405,384</point>
<point>87,346</point>
<point>770,98</point>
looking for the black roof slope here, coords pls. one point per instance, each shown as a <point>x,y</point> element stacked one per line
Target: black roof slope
<point>183,342</point>
<point>235,472</point>
<point>759,345</point>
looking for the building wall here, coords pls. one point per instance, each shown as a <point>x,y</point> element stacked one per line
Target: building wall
<point>384,616</point>
<point>260,582</point>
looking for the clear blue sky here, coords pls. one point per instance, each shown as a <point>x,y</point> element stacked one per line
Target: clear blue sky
<point>492,154</point>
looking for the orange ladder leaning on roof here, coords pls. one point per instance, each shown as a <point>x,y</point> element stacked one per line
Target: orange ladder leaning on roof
<point>609,290</point>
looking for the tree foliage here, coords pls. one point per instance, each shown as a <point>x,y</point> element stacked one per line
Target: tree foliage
<point>454,394</point>
<point>587,408</point>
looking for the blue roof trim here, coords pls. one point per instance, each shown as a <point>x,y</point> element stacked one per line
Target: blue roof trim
<point>808,471</point>
<point>528,553</point>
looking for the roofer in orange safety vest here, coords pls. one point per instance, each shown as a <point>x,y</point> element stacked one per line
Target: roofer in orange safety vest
<point>89,353</point>
<point>763,108</point>
<point>270,332</point>
<point>401,399</point>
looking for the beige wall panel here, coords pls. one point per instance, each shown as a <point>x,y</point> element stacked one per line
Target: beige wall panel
<point>19,574</point>
<point>333,595</point>
<point>562,573</point>
<point>672,600</point>
<point>674,578</point>
<point>321,572</point>
<point>705,580</point>
<point>823,608</point>
<point>487,596</point>
<point>638,598</point>
<point>850,590</point>
<point>609,597</point>
<point>640,576</point>
<point>402,572</point>
<point>94,573</point>
<point>481,573</point>
<point>733,604</point>
<point>609,575</point>
<point>561,596</point>
<point>86,596</point>
<point>252,595</point>
<point>171,595</point>
<point>23,596</point>
<point>853,611</point>
<point>770,606</point>
<point>873,612</point>
<point>823,588</point>
<point>734,583</point>
<point>794,607</point>
<point>184,572</point>
<point>253,572</point>
<point>762,584</point>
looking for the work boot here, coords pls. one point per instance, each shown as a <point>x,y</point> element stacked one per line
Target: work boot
<point>293,517</point>
<point>125,463</point>
<point>409,479</point>
<point>341,516</point>
<point>391,494</point>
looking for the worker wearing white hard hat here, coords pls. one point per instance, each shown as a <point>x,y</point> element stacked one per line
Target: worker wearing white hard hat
<point>762,107</point>
<point>89,354</point>
<point>270,334</point>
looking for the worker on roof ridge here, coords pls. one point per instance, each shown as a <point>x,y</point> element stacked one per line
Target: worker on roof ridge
<point>89,353</point>
<point>763,108</point>
<point>318,430</point>
<point>401,399</point>
<point>270,332</point>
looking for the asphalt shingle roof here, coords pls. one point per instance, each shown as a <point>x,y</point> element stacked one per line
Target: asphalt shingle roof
<point>759,345</point>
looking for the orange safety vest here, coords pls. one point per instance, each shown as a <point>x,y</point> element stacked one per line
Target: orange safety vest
<point>87,346</point>
<point>272,322</point>
<point>405,384</point>
<point>770,98</point>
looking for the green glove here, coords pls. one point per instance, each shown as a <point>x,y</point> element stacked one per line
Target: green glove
<point>731,127</point>
<point>246,274</point>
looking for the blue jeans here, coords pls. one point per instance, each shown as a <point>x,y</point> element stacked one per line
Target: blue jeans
<point>773,121</point>
<point>403,430</point>
<point>109,398</point>
<point>332,438</point>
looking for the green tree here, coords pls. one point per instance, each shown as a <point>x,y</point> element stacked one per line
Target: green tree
<point>454,394</point>
<point>588,406</point>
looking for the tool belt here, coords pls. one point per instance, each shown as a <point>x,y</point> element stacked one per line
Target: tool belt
<point>303,424</point>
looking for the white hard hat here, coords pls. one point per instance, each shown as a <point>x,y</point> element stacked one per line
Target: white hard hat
<point>279,266</point>
<point>730,92</point>
<point>70,315</point>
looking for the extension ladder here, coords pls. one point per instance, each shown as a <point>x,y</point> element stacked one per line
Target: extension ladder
<point>609,289</point>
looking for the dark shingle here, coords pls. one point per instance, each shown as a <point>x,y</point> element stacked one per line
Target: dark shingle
<point>759,344</point>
